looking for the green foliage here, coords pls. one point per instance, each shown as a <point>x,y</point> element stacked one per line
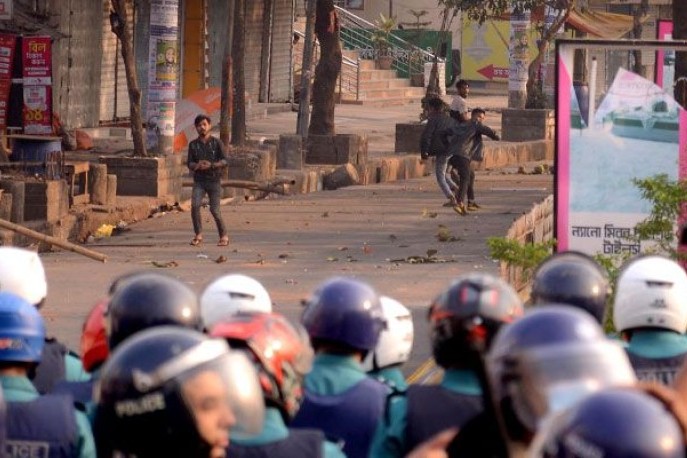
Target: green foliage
<point>480,10</point>
<point>380,37</point>
<point>526,256</point>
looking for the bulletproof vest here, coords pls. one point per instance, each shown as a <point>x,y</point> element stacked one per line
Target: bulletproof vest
<point>351,416</point>
<point>433,408</point>
<point>300,442</point>
<point>661,370</point>
<point>45,427</point>
<point>51,369</point>
<point>81,392</point>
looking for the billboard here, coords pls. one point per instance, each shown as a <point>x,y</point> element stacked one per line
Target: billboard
<point>636,130</point>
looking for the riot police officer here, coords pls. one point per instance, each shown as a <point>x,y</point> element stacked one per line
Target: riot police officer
<point>650,312</point>
<point>37,425</point>
<point>394,345</point>
<point>463,321</point>
<point>231,294</point>
<point>343,319</point>
<point>282,355</point>
<point>22,273</point>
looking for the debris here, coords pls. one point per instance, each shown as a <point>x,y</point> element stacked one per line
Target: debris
<point>427,214</point>
<point>431,252</point>
<point>444,235</point>
<point>332,258</point>
<point>164,265</point>
<point>202,256</point>
<point>392,237</point>
<point>221,259</point>
<point>342,248</point>
<point>283,256</point>
<point>325,215</point>
<point>104,230</point>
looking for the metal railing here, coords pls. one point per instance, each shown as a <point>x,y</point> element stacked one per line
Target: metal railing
<point>357,34</point>
<point>349,77</point>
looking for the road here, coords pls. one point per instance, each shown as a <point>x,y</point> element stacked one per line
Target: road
<point>293,243</point>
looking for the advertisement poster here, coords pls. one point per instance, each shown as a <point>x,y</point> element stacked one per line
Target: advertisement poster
<point>637,131</point>
<point>7,45</point>
<point>163,71</point>
<point>37,60</point>
<point>665,60</point>
<point>519,51</point>
<point>5,85</point>
<point>484,53</point>
<point>37,111</point>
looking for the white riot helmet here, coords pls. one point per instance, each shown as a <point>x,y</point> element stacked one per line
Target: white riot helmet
<point>651,292</point>
<point>232,294</point>
<point>395,341</point>
<point>22,273</point>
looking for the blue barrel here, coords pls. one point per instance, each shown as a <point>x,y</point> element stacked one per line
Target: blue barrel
<point>47,150</point>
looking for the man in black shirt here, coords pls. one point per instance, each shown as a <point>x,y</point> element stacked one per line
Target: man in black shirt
<point>206,160</point>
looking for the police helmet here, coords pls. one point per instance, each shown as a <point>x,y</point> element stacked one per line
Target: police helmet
<point>572,278</point>
<point>232,294</point>
<point>22,331</point>
<point>171,391</point>
<point>280,350</point>
<point>396,340</point>
<point>613,422</point>
<point>651,292</point>
<point>148,300</point>
<point>22,273</point>
<point>465,318</point>
<point>94,348</point>
<point>547,360</point>
<point>344,311</point>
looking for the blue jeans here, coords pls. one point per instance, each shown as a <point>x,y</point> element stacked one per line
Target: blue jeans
<point>214,191</point>
<point>444,179</point>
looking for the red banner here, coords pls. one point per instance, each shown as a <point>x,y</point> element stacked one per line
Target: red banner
<point>7,45</point>
<point>37,59</point>
<point>37,111</point>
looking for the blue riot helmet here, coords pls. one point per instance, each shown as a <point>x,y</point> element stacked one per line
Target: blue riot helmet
<point>149,299</point>
<point>546,361</point>
<point>171,391</point>
<point>612,423</point>
<point>346,312</point>
<point>572,278</point>
<point>465,318</point>
<point>22,330</point>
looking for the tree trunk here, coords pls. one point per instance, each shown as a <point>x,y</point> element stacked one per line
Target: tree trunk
<point>639,12</point>
<point>118,22</point>
<point>533,71</point>
<point>226,93</point>
<point>327,70</point>
<point>238,120</point>
<point>680,33</point>
<point>306,70</point>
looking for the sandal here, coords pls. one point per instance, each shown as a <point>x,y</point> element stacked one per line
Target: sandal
<point>196,241</point>
<point>224,241</point>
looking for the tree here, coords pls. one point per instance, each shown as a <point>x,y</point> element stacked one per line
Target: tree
<point>680,33</point>
<point>327,70</point>
<point>120,27</point>
<point>639,13</point>
<point>480,10</point>
<point>238,119</point>
<point>226,95</point>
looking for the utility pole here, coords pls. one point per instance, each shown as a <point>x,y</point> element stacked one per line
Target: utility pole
<point>226,88</point>
<point>306,70</point>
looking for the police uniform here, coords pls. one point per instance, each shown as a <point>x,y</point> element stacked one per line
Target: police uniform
<point>656,355</point>
<point>70,436</point>
<point>392,376</point>
<point>276,440</point>
<point>57,364</point>
<point>426,410</point>
<point>342,401</point>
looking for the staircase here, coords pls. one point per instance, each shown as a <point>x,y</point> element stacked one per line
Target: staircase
<point>360,82</point>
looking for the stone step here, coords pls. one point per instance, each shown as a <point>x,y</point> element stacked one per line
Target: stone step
<point>392,93</point>
<point>366,75</point>
<point>384,84</point>
<point>386,102</point>
<point>367,64</point>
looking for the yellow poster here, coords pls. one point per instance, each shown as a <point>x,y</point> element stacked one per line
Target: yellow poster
<point>484,53</point>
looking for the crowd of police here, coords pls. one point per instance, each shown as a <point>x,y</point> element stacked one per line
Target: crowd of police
<point>164,372</point>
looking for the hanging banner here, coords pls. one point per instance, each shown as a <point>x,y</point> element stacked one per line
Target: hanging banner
<point>665,61</point>
<point>37,60</point>
<point>7,45</point>
<point>37,111</point>
<point>638,131</point>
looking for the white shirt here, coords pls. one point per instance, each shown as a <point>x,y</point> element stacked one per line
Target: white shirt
<point>459,104</point>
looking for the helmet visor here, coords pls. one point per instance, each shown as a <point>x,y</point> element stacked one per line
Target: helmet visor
<point>556,377</point>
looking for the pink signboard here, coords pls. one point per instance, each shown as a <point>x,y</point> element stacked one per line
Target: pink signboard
<point>665,61</point>
<point>37,60</point>
<point>633,130</point>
